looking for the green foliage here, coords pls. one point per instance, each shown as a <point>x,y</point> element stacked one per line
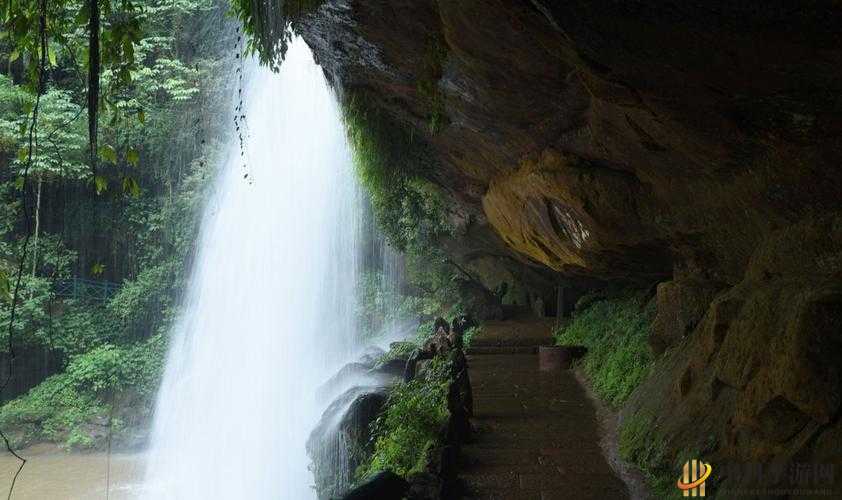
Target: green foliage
<point>411,422</point>
<point>34,324</point>
<point>62,408</point>
<point>394,167</point>
<point>469,335</point>
<point>62,149</point>
<point>379,304</point>
<point>427,84</point>
<point>66,35</point>
<point>391,164</point>
<point>397,350</point>
<point>134,223</point>
<point>267,26</point>
<point>615,331</point>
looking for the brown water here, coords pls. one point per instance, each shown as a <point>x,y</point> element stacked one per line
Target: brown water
<point>53,474</point>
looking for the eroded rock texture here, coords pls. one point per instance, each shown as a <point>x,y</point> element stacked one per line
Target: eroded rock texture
<point>607,139</point>
<point>695,144</point>
<point>758,380</point>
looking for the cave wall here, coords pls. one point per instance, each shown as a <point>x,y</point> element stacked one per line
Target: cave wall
<point>608,139</point>
<point>695,145</point>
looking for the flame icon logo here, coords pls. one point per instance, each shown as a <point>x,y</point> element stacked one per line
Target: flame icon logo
<point>692,481</point>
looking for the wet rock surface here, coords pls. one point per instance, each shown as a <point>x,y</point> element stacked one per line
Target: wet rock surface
<point>341,439</point>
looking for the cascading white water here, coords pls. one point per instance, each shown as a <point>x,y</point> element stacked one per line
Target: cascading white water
<point>269,312</point>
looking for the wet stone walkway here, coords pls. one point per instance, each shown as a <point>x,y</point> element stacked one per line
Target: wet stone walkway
<point>537,435</point>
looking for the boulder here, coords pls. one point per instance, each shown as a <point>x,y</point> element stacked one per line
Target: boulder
<point>370,355</point>
<point>385,485</point>
<point>352,375</point>
<point>680,305</point>
<point>391,368</point>
<point>424,486</point>
<point>342,438</point>
<point>460,400</point>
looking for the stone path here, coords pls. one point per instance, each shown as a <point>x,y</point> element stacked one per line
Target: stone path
<point>537,434</point>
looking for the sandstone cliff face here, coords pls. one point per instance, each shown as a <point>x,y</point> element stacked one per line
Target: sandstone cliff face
<point>696,144</point>
<point>609,139</point>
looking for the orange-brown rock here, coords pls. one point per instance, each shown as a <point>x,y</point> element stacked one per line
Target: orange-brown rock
<point>602,139</point>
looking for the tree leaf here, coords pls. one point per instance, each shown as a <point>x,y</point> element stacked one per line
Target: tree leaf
<point>131,186</point>
<point>97,269</point>
<point>141,117</point>
<point>133,157</point>
<point>14,56</point>
<point>51,55</point>
<point>108,153</point>
<point>100,184</point>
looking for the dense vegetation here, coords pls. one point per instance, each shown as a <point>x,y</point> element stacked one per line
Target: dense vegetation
<point>129,221</point>
<point>614,330</point>
<point>411,212</point>
<point>411,423</point>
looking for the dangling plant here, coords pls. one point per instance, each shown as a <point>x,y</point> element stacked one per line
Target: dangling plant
<point>267,24</point>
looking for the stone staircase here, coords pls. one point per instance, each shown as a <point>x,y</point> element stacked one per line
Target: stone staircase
<point>519,335</point>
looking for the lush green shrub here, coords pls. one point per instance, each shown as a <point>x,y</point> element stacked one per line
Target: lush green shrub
<point>615,331</point>
<point>414,415</point>
<point>391,164</point>
<point>469,335</point>
<point>62,408</point>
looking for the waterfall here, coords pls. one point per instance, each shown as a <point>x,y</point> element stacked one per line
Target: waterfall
<point>269,313</point>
